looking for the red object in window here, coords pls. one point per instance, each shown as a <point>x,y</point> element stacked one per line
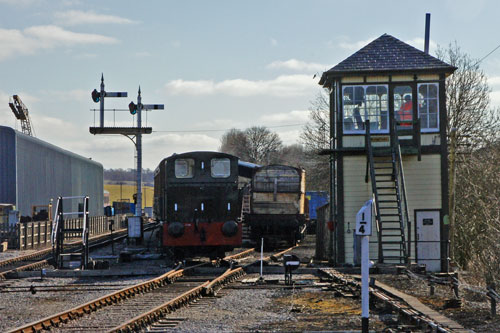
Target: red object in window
<point>405,114</point>
<point>330,225</point>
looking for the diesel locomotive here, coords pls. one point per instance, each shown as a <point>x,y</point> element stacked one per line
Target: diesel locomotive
<point>278,205</point>
<point>197,196</point>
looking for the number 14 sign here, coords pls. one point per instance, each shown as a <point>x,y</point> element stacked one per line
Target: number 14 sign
<point>364,219</point>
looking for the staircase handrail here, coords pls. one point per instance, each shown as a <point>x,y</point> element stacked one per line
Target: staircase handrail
<point>401,175</point>
<point>369,156</point>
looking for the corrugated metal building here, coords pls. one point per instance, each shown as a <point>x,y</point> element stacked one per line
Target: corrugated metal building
<point>33,171</point>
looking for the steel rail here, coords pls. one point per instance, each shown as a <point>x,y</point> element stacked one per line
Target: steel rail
<point>103,301</point>
<point>218,283</point>
<point>406,310</point>
<point>239,255</point>
<point>279,254</point>
<point>208,288</point>
<point>155,314</point>
<point>48,250</point>
<point>120,234</point>
<point>93,305</point>
<point>25,257</point>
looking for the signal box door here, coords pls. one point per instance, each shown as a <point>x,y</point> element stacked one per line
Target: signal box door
<point>429,239</point>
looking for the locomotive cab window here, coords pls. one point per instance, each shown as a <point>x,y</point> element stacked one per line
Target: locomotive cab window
<point>184,168</point>
<point>220,167</point>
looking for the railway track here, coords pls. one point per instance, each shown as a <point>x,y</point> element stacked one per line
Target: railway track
<point>42,258</point>
<point>409,313</point>
<point>203,294</point>
<point>140,305</point>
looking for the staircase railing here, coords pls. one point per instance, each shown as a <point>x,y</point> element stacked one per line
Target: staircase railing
<point>371,170</point>
<point>399,160</point>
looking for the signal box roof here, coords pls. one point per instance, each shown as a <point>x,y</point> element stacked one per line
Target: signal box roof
<point>386,55</point>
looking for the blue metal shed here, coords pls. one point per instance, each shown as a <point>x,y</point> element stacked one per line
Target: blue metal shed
<point>316,200</point>
<point>33,171</point>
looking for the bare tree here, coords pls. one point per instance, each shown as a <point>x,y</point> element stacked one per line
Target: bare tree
<point>473,130</point>
<point>316,133</point>
<point>478,213</point>
<point>262,144</point>
<point>255,144</point>
<point>235,142</point>
<point>315,136</point>
<point>293,155</point>
<point>468,101</point>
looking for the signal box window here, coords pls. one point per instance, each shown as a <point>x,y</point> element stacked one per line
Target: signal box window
<point>184,168</point>
<point>220,167</point>
<point>403,107</point>
<point>361,103</point>
<point>428,109</point>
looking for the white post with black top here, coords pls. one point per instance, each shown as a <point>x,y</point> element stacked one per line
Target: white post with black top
<point>364,229</point>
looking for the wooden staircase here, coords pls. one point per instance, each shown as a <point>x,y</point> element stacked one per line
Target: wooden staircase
<point>385,172</point>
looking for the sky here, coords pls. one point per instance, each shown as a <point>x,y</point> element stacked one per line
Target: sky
<point>215,65</point>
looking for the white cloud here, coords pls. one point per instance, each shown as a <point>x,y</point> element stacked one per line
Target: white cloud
<point>289,137</point>
<point>158,146</point>
<point>494,80</point>
<point>346,44</point>
<point>80,95</point>
<point>298,65</point>
<point>142,54</point>
<point>218,124</point>
<point>419,42</point>
<point>282,86</point>
<point>21,3</point>
<point>54,34</point>
<point>495,98</point>
<point>295,116</point>
<point>76,17</point>
<point>32,39</point>
<point>86,56</point>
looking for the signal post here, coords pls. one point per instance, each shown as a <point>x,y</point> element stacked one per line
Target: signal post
<point>135,135</point>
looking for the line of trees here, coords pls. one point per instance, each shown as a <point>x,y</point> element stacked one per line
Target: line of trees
<point>128,175</point>
<point>262,146</point>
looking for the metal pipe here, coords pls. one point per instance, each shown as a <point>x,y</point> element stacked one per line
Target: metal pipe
<point>101,101</point>
<point>261,256</point>
<point>427,32</point>
<point>138,205</point>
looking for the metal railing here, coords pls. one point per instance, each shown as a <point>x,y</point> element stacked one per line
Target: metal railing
<point>36,235</point>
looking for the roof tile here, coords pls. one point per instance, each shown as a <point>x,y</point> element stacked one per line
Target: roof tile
<point>388,53</point>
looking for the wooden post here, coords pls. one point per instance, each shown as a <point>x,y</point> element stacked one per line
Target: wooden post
<point>455,284</point>
<point>26,236</point>
<point>493,301</point>
<point>20,235</point>
<point>39,233</point>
